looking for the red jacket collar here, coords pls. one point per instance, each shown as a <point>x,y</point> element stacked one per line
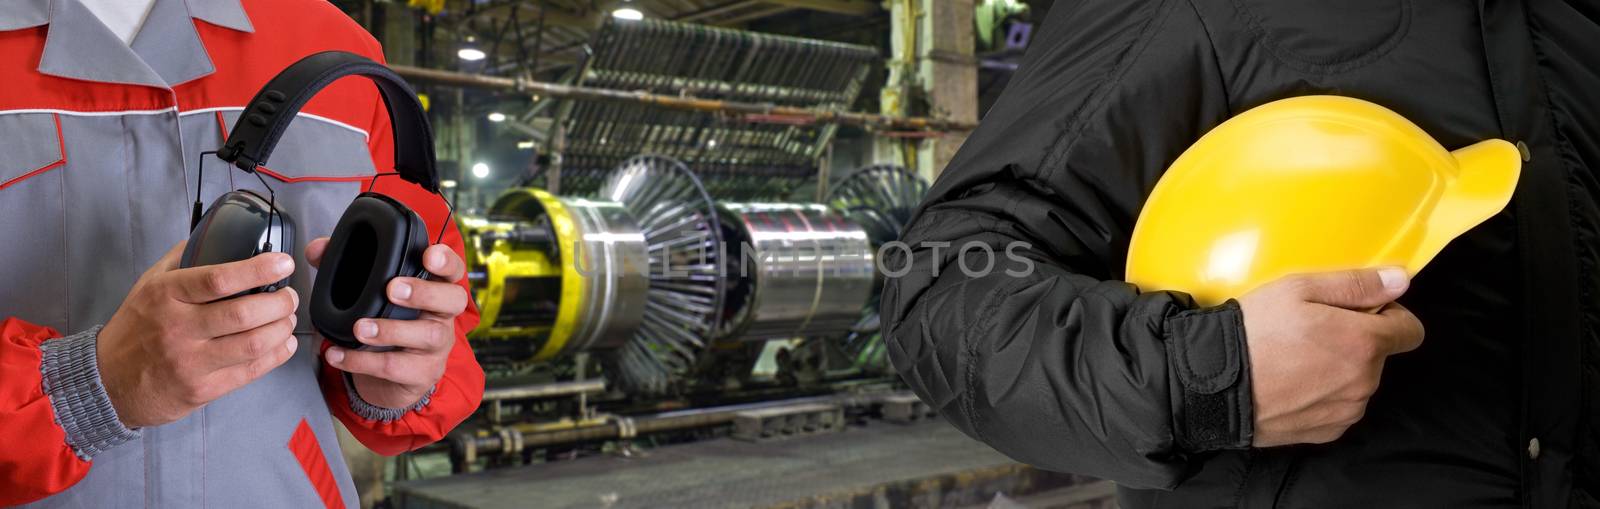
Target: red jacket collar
<point>166,52</point>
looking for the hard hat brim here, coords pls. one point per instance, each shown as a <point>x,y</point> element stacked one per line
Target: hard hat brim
<point>1488,178</point>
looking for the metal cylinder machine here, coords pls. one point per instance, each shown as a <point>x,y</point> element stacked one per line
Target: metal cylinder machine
<point>653,275</point>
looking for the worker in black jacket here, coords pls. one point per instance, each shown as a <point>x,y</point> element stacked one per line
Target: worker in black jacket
<point>1290,396</point>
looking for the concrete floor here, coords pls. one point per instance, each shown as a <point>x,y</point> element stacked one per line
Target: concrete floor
<point>925,464</point>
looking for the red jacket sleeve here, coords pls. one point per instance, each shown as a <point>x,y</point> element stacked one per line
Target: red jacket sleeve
<point>457,394</point>
<point>36,460</point>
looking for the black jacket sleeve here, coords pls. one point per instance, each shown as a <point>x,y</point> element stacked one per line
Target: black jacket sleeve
<point>1048,356</point>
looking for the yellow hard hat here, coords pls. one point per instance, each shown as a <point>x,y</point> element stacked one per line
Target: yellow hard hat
<point>1311,184</point>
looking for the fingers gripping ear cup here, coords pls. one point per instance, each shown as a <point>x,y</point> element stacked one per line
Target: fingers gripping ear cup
<point>376,240</point>
<point>238,226</point>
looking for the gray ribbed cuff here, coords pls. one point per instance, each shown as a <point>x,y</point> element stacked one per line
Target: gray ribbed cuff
<point>377,413</point>
<point>72,381</point>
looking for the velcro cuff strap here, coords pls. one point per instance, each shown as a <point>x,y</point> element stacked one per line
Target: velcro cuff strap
<point>1207,354</point>
<point>71,376</point>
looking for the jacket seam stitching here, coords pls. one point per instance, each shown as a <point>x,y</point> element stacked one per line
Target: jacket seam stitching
<point>127,173</point>
<point>58,163</point>
<point>1297,62</point>
<point>968,403</point>
<point>1242,375</point>
<point>1216,58</point>
<point>1496,88</point>
<point>984,318</point>
<point>181,113</point>
<point>1291,474</point>
<point>1564,150</point>
<point>1097,99</point>
<point>66,286</point>
<point>1244,477</point>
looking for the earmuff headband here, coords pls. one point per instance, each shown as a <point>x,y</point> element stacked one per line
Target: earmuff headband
<point>269,113</point>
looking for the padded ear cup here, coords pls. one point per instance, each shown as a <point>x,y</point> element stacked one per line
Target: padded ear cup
<point>237,227</point>
<point>376,240</point>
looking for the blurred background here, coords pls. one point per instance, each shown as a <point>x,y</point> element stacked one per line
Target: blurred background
<point>673,212</point>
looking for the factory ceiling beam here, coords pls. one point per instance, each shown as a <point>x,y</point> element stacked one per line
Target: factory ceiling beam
<point>752,112</point>
<point>717,11</point>
<point>767,12</point>
<point>527,16</point>
<point>732,12</point>
<point>848,7</point>
<point>555,16</point>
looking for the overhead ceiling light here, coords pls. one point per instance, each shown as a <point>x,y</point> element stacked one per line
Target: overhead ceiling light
<point>525,145</point>
<point>447,184</point>
<point>480,170</point>
<point>711,143</point>
<point>471,54</point>
<point>497,117</point>
<point>627,13</point>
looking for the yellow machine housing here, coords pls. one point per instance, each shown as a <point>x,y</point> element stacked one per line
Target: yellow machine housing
<point>556,275</point>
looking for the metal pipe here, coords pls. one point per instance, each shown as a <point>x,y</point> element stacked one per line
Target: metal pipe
<point>754,112</point>
<point>466,446</point>
<point>551,390</point>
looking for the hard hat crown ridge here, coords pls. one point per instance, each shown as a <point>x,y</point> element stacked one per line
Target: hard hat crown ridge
<point>1311,184</point>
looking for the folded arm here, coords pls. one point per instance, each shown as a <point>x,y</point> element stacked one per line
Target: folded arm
<point>1049,357</point>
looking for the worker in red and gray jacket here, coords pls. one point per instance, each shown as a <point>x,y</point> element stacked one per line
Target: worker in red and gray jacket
<point>124,381</point>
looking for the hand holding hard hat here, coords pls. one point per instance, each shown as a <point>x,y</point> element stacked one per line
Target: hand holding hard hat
<point>1309,185</point>
<point>1289,208</point>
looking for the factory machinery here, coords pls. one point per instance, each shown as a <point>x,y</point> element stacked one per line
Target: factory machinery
<point>763,153</point>
<point>652,309</point>
<point>717,297</point>
<point>658,298</point>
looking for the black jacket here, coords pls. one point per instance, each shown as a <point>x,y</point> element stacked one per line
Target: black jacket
<point>1071,369</point>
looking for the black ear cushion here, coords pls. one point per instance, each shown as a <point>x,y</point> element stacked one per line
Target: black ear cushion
<point>376,240</point>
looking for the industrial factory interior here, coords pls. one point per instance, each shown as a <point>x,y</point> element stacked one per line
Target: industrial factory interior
<point>799,254</point>
<point>598,153</point>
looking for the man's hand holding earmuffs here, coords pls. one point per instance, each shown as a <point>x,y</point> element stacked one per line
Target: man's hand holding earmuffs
<point>178,341</point>
<point>401,377</point>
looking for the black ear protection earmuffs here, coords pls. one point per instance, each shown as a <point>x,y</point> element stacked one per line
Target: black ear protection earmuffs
<point>239,225</point>
<point>378,238</point>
